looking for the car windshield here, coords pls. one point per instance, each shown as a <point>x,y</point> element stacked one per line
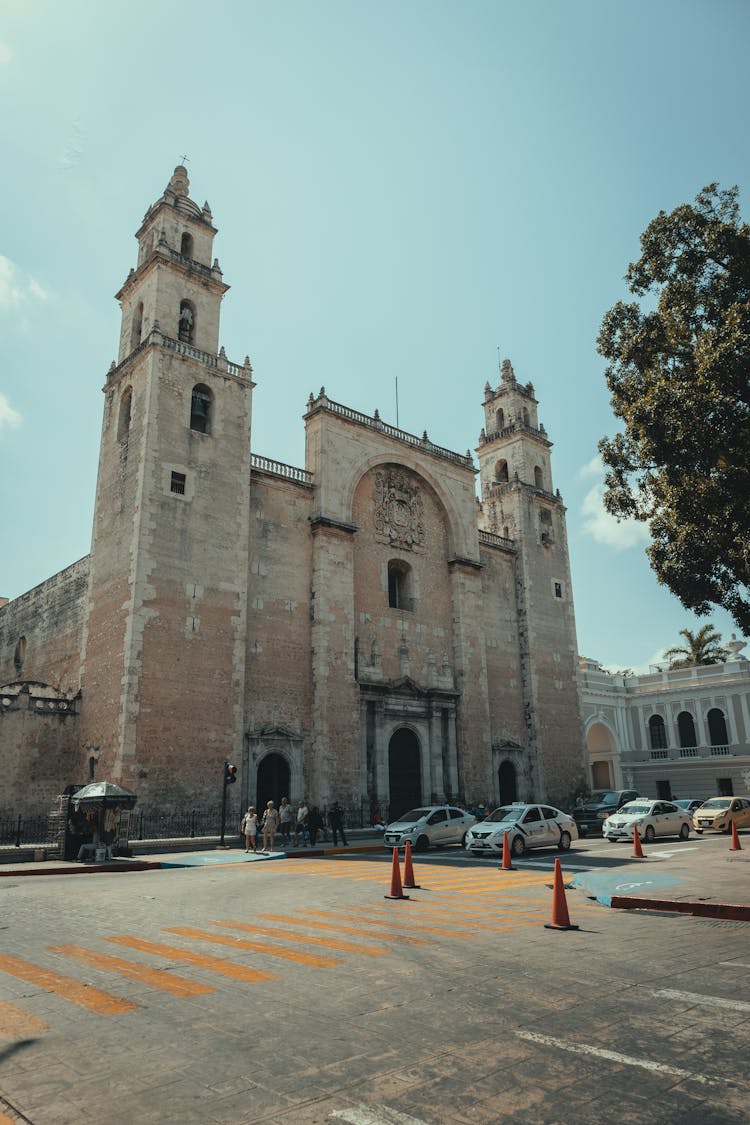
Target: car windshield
<point>603,797</point>
<point>634,809</point>
<point>412,814</point>
<point>511,812</point>
<point>718,803</point>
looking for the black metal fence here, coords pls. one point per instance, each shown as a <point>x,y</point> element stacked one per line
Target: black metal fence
<point>43,829</point>
<point>26,831</point>
<point>182,825</point>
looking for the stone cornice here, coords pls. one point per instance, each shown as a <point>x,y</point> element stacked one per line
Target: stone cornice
<point>320,522</point>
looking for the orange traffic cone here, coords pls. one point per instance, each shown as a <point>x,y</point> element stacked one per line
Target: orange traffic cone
<point>506,865</point>
<point>408,869</point>
<point>637,849</point>
<point>736,845</point>
<point>396,890</point>
<point>560,917</point>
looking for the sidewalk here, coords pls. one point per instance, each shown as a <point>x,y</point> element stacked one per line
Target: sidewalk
<point>703,878</point>
<point>157,858</point>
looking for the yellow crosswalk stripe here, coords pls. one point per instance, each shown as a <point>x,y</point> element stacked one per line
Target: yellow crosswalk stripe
<point>201,960</point>
<point>17,1024</point>
<point>156,978</point>
<point>339,925</point>
<point>316,960</point>
<point>101,1003</point>
<point>302,939</point>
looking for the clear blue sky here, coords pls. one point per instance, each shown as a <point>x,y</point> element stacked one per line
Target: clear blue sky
<point>400,189</point>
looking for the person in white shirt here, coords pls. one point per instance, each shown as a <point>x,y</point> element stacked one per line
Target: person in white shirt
<point>301,829</point>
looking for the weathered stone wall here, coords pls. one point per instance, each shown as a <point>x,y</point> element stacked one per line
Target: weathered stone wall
<point>50,619</point>
<point>38,748</point>
<point>277,677</point>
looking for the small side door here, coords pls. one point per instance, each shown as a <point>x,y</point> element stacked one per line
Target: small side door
<point>552,831</point>
<point>458,825</point>
<point>439,827</point>
<point>669,819</point>
<point>533,827</point>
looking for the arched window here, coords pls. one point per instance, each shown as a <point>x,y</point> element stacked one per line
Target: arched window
<point>186,327</point>
<point>657,733</point>
<point>136,326</point>
<point>501,471</point>
<point>538,478</point>
<point>686,729</point>
<point>717,727</point>
<point>123,418</point>
<point>400,587</point>
<point>200,409</point>
<point>186,245</point>
<point>500,420</point>
<point>525,416</point>
<point>19,655</point>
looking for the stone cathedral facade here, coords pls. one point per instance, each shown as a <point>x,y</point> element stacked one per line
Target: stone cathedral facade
<point>364,628</point>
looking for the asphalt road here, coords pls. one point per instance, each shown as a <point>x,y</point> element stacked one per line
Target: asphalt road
<point>294,991</point>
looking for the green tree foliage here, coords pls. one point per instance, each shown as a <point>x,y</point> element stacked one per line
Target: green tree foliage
<point>679,373</point>
<point>703,647</point>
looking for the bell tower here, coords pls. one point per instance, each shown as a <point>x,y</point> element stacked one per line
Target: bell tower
<point>520,503</point>
<point>164,646</point>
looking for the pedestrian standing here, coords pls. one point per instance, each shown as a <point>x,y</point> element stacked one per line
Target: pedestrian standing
<point>286,816</point>
<point>315,824</point>
<point>300,829</point>
<point>270,824</point>
<point>250,829</point>
<point>336,821</point>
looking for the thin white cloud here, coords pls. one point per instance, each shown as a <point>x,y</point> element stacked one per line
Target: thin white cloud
<point>593,468</point>
<point>9,417</point>
<point>74,146</point>
<point>5,53</point>
<point>16,288</point>
<point>620,535</point>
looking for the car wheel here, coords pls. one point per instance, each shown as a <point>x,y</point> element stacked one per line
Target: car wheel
<point>727,830</point>
<point>518,847</point>
<point>463,840</point>
<point>684,832</point>
<point>649,834</point>
<point>422,844</point>
<point>565,841</point>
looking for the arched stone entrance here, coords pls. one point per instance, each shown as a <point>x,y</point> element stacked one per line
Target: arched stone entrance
<point>273,781</point>
<point>404,772</point>
<point>507,783</point>
<point>600,744</point>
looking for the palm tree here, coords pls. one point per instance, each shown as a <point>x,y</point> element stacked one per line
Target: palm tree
<point>703,647</point>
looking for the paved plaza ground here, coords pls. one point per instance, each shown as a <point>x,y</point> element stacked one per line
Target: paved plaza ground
<point>294,991</point>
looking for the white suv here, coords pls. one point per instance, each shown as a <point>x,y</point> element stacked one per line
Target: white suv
<point>431,826</point>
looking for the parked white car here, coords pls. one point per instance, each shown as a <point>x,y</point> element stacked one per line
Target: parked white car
<point>528,826</point>
<point>428,827</point>
<point>652,818</point>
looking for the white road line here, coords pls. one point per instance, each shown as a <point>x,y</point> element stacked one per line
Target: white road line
<point>709,1001</point>
<point>735,964</point>
<point>374,1115</point>
<point>625,1060</point>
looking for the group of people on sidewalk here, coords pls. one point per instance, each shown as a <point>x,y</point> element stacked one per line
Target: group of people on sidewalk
<point>299,830</point>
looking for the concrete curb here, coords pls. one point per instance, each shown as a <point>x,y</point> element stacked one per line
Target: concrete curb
<point>24,869</point>
<point>82,869</point>
<point>734,911</point>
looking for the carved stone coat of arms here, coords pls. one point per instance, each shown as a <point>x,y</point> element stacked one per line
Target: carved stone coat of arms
<point>399,510</point>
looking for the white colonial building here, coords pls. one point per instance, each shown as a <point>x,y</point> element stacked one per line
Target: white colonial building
<point>682,732</point>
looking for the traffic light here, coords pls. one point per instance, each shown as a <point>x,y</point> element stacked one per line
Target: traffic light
<point>230,774</point>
